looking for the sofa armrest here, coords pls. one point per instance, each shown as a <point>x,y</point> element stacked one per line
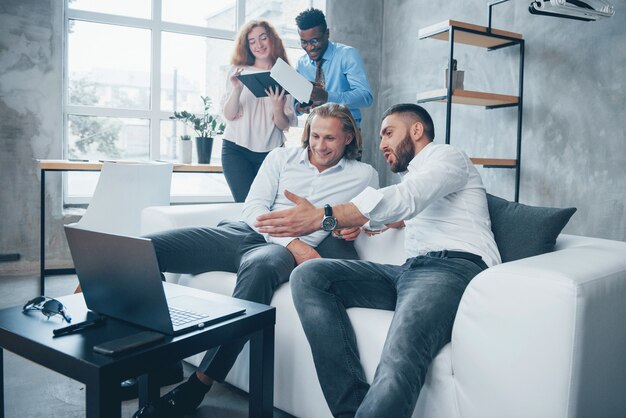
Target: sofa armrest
<point>161,218</point>
<point>544,336</point>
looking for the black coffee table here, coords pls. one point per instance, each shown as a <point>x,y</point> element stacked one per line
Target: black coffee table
<point>30,336</point>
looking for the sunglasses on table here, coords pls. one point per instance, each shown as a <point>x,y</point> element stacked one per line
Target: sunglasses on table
<point>48,306</point>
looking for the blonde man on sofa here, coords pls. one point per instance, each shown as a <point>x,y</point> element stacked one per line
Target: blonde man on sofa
<point>443,204</point>
<point>325,170</point>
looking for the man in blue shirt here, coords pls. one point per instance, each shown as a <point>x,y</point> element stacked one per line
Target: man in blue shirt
<point>336,70</point>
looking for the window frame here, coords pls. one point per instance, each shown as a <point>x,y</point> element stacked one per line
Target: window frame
<point>154,115</point>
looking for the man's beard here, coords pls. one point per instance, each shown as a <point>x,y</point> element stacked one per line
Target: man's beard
<point>404,154</point>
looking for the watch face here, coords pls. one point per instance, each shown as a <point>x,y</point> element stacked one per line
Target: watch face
<point>329,223</point>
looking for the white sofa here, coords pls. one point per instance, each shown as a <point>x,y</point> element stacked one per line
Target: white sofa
<point>538,337</point>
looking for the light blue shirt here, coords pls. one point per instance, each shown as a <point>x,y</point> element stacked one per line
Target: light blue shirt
<point>290,168</point>
<point>345,77</point>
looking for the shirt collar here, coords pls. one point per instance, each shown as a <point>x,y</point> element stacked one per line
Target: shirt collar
<point>419,157</point>
<point>304,156</point>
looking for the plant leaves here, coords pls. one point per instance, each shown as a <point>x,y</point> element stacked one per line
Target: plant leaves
<point>205,125</point>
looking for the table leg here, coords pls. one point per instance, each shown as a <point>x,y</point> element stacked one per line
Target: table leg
<point>42,234</point>
<point>149,390</point>
<point>262,373</point>
<point>103,398</point>
<point>1,383</point>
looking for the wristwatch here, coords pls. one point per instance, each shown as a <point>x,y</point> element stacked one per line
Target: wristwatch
<point>329,222</point>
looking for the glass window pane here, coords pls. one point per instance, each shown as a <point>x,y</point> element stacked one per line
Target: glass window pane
<point>193,187</point>
<point>80,185</point>
<point>95,138</point>
<point>133,8</point>
<point>109,65</point>
<point>208,187</point>
<point>294,54</point>
<point>207,14</point>
<point>281,14</point>
<point>170,143</point>
<point>193,66</point>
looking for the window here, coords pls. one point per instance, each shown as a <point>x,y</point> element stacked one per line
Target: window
<point>130,64</point>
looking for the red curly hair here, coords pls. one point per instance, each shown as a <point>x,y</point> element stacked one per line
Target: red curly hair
<point>242,54</point>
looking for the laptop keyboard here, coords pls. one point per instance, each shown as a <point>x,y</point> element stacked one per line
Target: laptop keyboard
<point>182,317</point>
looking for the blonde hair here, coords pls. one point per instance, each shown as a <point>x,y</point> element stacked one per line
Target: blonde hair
<point>242,54</point>
<point>348,126</point>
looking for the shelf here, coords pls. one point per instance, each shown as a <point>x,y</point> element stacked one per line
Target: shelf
<point>495,162</point>
<point>454,32</point>
<point>66,165</point>
<point>497,38</point>
<point>468,97</point>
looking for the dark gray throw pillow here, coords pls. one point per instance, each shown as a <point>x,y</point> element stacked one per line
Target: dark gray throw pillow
<point>523,231</point>
<point>337,248</point>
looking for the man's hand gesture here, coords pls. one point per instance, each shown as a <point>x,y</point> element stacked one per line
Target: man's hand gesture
<point>302,219</point>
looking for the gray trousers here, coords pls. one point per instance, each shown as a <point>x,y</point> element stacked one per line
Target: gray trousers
<point>261,268</point>
<point>424,292</point>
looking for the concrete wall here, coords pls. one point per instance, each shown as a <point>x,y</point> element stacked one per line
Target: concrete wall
<point>573,152</point>
<point>31,125</point>
<point>574,129</point>
<point>359,27</point>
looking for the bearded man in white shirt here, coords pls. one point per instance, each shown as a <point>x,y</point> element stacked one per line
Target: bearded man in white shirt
<point>442,202</point>
<point>325,170</point>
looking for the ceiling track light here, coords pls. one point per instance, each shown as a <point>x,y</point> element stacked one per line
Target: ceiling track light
<point>572,9</point>
<point>585,10</point>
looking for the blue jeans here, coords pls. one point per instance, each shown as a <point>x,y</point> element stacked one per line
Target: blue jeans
<point>240,166</point>
<point>424,293</point>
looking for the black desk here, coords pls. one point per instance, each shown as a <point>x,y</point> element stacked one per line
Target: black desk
<point>30,336</point>
<point>66,165</point>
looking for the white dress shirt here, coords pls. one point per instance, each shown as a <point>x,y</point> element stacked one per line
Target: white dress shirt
<point>289,168</point>
<point>253,127</point>
<point>442,201</point>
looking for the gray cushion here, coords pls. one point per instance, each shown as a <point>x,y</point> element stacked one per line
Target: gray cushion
<point>523,231</point>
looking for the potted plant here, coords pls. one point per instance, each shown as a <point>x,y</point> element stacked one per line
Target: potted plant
<point>185,149</point>
<point>206,126</point>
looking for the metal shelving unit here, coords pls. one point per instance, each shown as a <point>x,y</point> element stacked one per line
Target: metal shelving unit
<point>492,39</point>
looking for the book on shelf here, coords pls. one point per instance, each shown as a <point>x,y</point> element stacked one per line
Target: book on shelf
<point>283,76</point>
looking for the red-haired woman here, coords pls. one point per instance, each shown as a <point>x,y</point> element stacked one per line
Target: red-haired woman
<point>255,126</point>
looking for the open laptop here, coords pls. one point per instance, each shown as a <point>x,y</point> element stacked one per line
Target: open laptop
<point>120,277</point>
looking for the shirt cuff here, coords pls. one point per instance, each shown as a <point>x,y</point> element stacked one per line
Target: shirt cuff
<point>366,201</point>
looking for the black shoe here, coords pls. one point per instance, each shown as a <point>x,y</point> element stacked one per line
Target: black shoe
<point>130,387</point>
<point>182,400</point>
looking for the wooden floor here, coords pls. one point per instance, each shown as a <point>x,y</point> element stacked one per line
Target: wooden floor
<point>34,391</point>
